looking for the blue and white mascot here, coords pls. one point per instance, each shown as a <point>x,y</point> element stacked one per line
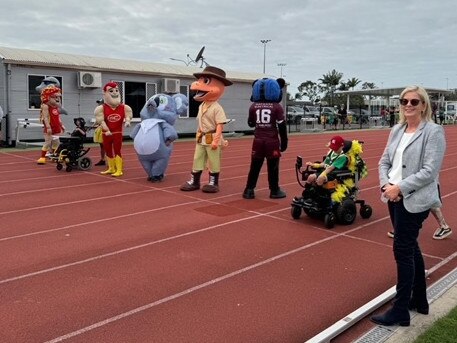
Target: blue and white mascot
<point>266,116</point>
<point>153,137</point>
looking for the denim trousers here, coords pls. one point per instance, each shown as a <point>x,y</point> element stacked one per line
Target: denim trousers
<point>408,256</point>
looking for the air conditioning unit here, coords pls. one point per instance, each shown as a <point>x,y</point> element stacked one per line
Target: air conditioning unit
<point>89,79</point>
<point>170,85</point>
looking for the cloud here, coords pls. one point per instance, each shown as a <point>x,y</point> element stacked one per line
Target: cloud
<point>386,42</point>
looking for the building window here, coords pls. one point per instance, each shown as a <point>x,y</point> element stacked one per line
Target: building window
<point>185,90</point>
<point>34,101</point>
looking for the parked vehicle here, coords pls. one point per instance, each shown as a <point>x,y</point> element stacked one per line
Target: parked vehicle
<point>311,111</point>
<point>294,114</point>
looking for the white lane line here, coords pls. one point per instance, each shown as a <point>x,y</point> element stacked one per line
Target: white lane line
<point>117,252</point>
<point>187,291</point>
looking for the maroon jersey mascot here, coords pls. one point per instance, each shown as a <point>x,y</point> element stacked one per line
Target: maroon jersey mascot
<point>266,115</point>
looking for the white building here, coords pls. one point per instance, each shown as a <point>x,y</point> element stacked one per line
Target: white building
<point>82,79</point>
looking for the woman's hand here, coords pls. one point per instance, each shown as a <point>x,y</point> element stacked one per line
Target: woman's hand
<point>392,192</point>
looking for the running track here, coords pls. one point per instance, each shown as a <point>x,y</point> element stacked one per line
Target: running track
<point>92,258</point>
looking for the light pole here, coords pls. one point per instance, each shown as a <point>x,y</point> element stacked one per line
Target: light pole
<point>264,42</point>
<point>281,65</point>
<point>447,83</point>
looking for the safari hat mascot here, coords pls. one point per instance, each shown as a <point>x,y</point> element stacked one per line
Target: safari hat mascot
<point>210,86</point>
<point>112,116</point>
<point>153,137</point>
<point>50,118</point>
<point>266,115</point>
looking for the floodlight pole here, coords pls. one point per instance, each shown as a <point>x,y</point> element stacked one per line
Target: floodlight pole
<point>264,42</point>
<point>281,65</point>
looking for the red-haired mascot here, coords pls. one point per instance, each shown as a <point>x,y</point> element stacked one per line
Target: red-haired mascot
<point>50,117</point>
<point>211,118</point>
<point>112,116</point>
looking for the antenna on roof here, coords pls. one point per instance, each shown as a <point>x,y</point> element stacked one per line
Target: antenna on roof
<point>200,57</point>
<point>190,61</point>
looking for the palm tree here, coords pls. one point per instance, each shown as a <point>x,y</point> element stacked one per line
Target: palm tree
<point>330,81</point>
<point>351,83</point>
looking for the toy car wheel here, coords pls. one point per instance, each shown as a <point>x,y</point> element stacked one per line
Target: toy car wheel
<point>346,212</point>
<point>329,220</point>
<point>59,166</point>
<point>295,211</point>
<point>84,163</point>
<point>68,169</point>
<point>366,211</point>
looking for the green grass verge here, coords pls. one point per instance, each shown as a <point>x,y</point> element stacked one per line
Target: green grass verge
<point>443,331</point>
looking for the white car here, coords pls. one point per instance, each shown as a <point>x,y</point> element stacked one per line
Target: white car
<point>311,111</point>
<point>294,114</point>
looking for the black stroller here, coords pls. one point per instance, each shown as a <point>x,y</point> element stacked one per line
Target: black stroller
<point>334,201</point>
<point>71,152</point>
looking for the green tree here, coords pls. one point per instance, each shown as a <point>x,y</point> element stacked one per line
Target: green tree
<point>352,83</point>
<point>329,83</point>
<point>310,90</point>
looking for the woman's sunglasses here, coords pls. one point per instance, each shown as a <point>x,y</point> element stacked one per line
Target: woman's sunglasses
<point>413,102</point>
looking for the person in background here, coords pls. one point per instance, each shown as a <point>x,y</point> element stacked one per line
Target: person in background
<point>443,229</point>
<point>408,177</point>
<point>98,138</point>
<point>343,115</point>
<point>392,116</point>
<point>383,113</point>
<point>442,115</point>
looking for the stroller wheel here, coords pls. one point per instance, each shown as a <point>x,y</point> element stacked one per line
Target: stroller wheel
<point>59,166</point>
<point>346,212</point>
<point>68,169</point>
<point>84,163</point>
<point>329,220</point>
<point>295,211</point>
<point>366,211</point>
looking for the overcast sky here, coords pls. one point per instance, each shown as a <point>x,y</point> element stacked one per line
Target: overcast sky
<point>392,43</point>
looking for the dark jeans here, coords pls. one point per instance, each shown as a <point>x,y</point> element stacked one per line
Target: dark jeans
<point>408,256</point>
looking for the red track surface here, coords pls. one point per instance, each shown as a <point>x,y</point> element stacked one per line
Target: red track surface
<point>92,258</point>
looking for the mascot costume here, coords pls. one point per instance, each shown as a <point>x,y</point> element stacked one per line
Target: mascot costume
<point>111,116</point>
<point>211,118</point>
<point>50,117</point>
<point>266,115</point>
<point>153,137</point>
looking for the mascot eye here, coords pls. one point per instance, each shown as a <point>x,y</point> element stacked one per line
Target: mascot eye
<point>206,80</point>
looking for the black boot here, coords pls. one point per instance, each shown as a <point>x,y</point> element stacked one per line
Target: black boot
<point>248,193</point>
<point>194,182</point>
<point>273,179</point>
<point>392,317</point>
<point>213,184</point>
<point>253,176</point>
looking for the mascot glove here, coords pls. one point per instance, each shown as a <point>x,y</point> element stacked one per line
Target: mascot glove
<point>127,123</point>
<point>283,146</point>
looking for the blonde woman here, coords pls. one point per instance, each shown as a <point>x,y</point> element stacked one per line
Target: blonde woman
<point>408,177</point>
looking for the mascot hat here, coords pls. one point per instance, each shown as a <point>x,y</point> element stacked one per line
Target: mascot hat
<point>216,73</point>
<point>109,84</point>
<point>267,90</point>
